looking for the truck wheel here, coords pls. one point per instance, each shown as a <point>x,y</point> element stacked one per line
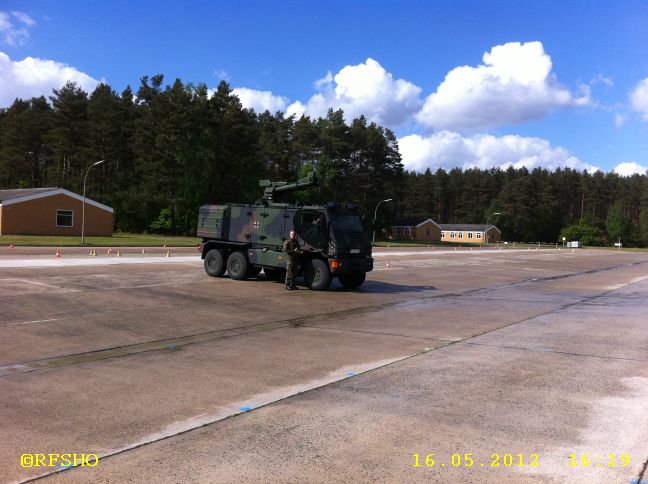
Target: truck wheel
<point>214,263</point>
<point>352,281</point>
<point>317,275</point>
<point>237,265</point>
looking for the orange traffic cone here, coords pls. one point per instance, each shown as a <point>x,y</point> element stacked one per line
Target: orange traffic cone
<point>11,246</point>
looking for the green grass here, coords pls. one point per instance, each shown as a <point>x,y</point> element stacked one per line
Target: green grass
<point>118,239</point>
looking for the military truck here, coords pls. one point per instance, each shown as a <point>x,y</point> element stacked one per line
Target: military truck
<point>245,239</point>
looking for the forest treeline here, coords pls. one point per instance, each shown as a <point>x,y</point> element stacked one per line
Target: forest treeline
<point>170,148</point>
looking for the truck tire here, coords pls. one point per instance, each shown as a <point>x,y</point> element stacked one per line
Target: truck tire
<point>237,265</point>
<point>317,275</point>
<point>214,263</point>
<point>352,281</point>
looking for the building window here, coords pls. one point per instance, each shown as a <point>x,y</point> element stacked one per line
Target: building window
<point>408,231</point>
<point>470,235</point>
<point>443,235</point>
<point>427,232</point>
<point>399,230</point>
<point>452,235</point>
<point>64,218</point>
<point>479,235</point>
<point>460,235</point>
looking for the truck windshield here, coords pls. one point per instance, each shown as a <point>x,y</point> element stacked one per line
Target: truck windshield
<point>346,223</point>
<point>347,229</point>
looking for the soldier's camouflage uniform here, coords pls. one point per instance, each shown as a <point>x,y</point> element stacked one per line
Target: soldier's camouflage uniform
<point>290,247</point>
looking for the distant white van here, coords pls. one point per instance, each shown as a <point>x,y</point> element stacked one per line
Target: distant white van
<point>574,244</point>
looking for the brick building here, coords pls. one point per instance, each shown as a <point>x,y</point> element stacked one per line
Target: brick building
<point>51,211</point>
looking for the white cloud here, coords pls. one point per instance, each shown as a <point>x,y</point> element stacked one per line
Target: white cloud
<point>447,150</point>
<point>14,27</point>
<point>619,120</point>
<point>35,77</point>
<point>600,78</point>
<point>364,89</point>
<point>639,98</point>
<point>221,74</point>
<point>513,85</point>
<point>260,101</point>
<point>629,168</point>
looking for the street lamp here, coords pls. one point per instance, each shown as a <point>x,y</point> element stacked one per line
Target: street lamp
<point>374,220</point>
<point>488,217</point>
<point>84,197</point>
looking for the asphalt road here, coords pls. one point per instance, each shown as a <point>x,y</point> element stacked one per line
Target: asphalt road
<point>508,366</point>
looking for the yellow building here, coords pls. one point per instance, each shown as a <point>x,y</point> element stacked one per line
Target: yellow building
<point>470,233</point>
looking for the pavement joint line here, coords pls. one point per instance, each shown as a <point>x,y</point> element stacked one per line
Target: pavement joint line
<point>549,350</point>
<point>328,328</point>
<point>132,350</point>
<point>562,307</point>
<point>122,351</point>
<point>642,473</point>
<point>240,411</point>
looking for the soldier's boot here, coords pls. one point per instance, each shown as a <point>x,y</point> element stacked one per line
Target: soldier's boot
<point>293,287</point>
<point>289,287</point>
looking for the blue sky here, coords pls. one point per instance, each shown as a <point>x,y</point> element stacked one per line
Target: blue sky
<point>462,83</point>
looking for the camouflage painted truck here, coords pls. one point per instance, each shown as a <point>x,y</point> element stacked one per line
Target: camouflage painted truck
<point>245,239</point>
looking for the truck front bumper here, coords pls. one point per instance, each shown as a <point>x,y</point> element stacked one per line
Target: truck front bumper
<point>350,266</point>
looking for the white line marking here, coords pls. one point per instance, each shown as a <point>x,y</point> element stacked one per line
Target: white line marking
<point>102,261</point>
<point>463,250</point>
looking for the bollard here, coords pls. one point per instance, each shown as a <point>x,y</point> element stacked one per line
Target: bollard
<point>168,253</point>
<point>58,253</point>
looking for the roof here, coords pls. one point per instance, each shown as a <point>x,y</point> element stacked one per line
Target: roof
<point>468,227</point>
<point>22,192</point>
<point>19,195</point>
<point>412,222</point>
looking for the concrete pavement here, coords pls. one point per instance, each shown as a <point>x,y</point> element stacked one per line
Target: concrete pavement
<point>172,376</point>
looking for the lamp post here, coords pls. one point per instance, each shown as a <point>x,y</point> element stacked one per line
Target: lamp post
<point>84,197</point>
<point>487,218</point>
<point>373,241</point>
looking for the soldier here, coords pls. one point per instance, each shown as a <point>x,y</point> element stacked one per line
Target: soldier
<point>291,247</point>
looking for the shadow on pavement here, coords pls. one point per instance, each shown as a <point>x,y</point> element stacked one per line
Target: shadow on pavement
<point>383,288</point>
